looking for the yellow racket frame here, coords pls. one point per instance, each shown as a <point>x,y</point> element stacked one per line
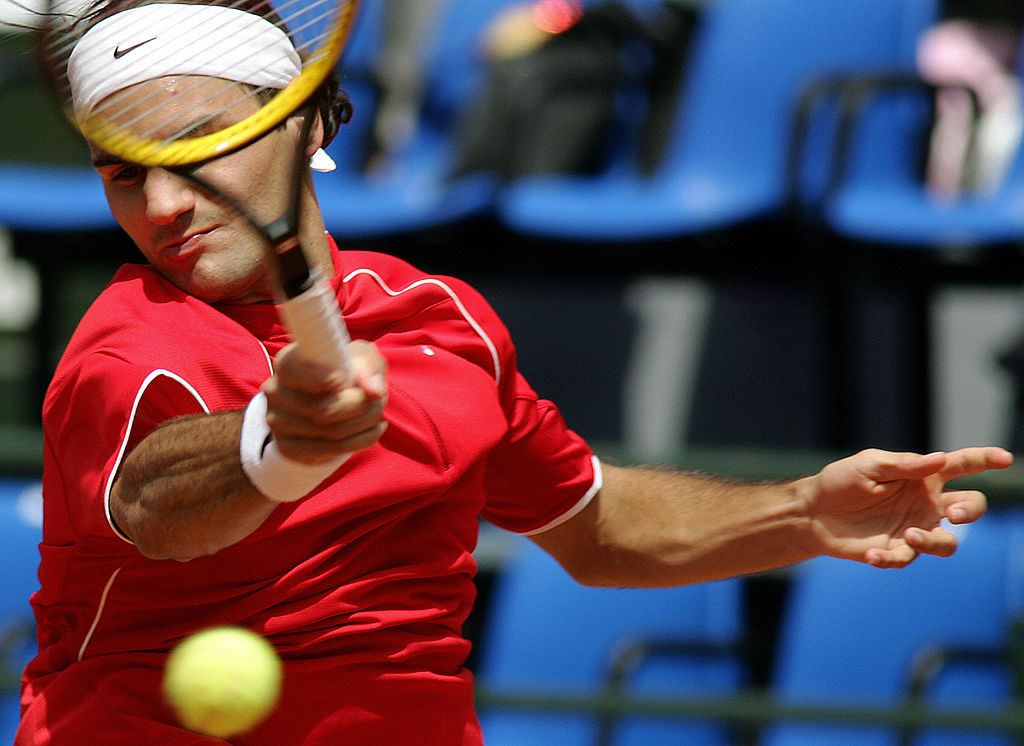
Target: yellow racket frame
<point>151,152</point>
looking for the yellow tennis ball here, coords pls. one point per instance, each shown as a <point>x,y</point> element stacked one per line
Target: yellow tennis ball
<point>223,681</point>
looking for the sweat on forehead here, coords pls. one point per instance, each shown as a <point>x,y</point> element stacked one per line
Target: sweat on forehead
<point>152,41</point>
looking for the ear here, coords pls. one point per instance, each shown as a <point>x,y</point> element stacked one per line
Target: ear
<point>316,136</point>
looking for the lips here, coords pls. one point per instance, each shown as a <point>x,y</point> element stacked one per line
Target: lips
<point>185,247</point>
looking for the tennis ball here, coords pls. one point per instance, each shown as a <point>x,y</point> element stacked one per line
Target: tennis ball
<point>222,681</point>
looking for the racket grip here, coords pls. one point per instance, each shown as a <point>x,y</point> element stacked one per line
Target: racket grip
<point>315,322</point>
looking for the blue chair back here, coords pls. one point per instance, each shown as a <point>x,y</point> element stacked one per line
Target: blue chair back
<point>891,136</point>
<point>752,57</point>
<point>727,158</point>
<point>21,532</point>
<point>547,634</point>
<point>351,146</point>
<point>456,62</point>
<point>409,190</point>
<point>852,634</point>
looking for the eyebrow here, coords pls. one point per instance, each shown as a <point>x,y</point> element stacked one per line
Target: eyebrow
<point>203,125</point>
<point>103,159</point>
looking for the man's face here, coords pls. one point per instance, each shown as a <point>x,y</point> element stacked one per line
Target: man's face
<point>195,240</point>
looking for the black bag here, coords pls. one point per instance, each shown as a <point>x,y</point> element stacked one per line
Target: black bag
<point>550,110</point>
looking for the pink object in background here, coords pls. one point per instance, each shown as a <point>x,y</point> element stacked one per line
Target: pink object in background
<point>981,57</point>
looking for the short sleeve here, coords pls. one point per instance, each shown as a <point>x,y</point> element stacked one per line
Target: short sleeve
<point>93,440</point>
<point>543,473</point>
<point>144,352</point>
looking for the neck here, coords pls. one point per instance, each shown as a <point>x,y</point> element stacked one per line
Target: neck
<point>312,234</point>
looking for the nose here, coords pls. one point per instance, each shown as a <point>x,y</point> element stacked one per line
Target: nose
<point>168,196</point>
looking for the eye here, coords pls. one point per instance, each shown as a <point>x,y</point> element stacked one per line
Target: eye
<point>123,174</point>
<point>129,174</point>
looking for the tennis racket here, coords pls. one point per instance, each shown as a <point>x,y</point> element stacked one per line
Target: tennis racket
<point>241,69</point>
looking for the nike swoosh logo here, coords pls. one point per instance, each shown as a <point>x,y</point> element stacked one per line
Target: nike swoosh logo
<point>119,53</point>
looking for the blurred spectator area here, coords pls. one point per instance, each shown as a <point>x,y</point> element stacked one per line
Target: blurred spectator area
<point>714,349</point>
<point>717,339</point>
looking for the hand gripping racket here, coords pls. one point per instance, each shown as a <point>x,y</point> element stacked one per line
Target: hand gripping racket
<point>252,65</point>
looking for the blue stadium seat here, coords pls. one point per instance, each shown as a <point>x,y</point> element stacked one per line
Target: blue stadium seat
<point>411,190</point>
<point>897,212</point>
<point>875,212</point>
<point>879,195</point>
<point>45,186</point>
<point>852,634</point>
<point>726,162</point>
<point>21,521</point>
<point>546,634</point>
<point>52,198</point>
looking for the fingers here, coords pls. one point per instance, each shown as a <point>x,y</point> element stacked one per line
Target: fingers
<point>320,450</point>
<point>333,414</point>
<point>938,541</point>
<point>915,541</point>
<point>369,368</point>
<point>886,466</point>
<point>900,498</point>
<point>314,428</point>
<point>964,506</point>
<point>892,558</point>
<point>967,461</point>
<point>316,413</point>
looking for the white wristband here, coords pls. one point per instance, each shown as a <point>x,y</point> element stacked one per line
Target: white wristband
<point>278,478</point>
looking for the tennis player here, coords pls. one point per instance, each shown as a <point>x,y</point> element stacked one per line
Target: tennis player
<point>350,548</point>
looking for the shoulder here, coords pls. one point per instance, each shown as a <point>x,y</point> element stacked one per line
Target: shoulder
<point>394,276</point>
<point>369,277</point>
<point>139,303</point>
<point>142,323</point>
<point>135,293</point>
<point>387,295</point>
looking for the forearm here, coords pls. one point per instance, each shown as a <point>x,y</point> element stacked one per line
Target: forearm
<point>181,492</point>
<point>662,528</point>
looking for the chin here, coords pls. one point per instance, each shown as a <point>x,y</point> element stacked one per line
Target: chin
<point>218,282</point>
<point>217,290</point>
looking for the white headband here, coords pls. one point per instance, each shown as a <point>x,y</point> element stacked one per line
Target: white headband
<point>160,39</point>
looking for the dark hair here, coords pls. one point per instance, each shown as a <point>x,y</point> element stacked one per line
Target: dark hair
<point>332,103</point>
<point>334,106</point>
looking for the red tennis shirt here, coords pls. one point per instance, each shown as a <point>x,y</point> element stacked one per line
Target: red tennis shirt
<point>363,586</point>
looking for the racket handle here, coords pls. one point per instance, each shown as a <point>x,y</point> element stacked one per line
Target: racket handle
<point>316,324</point>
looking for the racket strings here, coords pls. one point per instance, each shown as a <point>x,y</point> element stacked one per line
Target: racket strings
<point>296,18</point>
<point>196,120</point>
<point>138,130</point>
<point>132,120</point>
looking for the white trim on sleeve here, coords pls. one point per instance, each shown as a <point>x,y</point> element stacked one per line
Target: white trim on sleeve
<point>158,373</point>
<point>575,509</point>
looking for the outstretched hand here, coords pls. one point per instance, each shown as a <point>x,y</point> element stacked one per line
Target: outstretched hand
<point>885,508</point>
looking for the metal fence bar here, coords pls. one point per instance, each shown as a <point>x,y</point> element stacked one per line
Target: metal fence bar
<point>759,709</point>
